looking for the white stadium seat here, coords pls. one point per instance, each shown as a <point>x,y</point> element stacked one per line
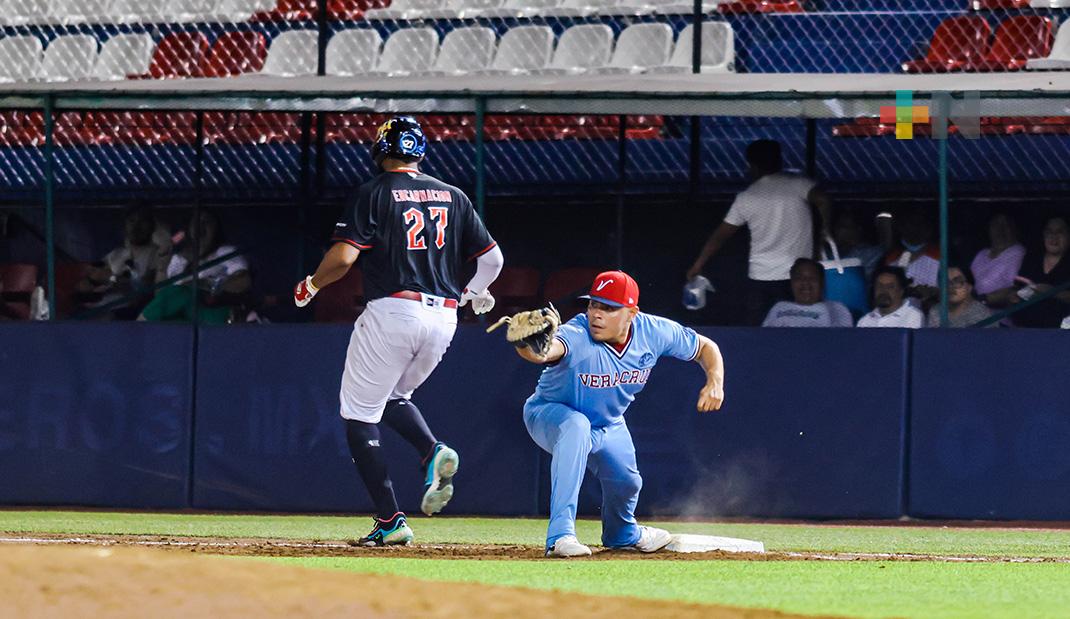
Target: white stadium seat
<point>409,50</point>
<point>78,11</point>
<point>292,54</point>
<point>465,50</point>
<point>189,11</point>
<point>580,48</point>
<point>22,12</point>
<point>136,11</point>
<point>241,10</point>
<point>522,50</point>
<point>22,58</point>
<point>640,47</point>
<point>405,9</point>
<point>124,55</point>
<point>718,50</point>
<point>69,58</point>
<point>353,52</point>
<point>1059,58</point>
<point>518,9</point>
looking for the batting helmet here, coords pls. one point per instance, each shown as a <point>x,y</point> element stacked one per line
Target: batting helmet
<point>399,138</point>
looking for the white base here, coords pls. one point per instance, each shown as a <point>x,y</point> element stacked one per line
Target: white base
<point>707,543</point>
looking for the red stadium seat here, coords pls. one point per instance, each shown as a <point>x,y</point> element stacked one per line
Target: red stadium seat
<point>178,55</point>
<point>342,301</point>
<point>990,5</point>
<point>762,6</point>
<point>1017,40</point>
<point>290,10</point>
<point>235,53</point>
<point>17,282</point>
<point>956,42</point>
<point>1054,125</point>
<point>563,286</point>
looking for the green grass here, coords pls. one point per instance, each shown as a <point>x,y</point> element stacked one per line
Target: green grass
<point>907,539</point>
<point>854,588</point>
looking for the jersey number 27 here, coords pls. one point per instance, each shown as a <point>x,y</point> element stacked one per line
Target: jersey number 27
<point>414,218</point>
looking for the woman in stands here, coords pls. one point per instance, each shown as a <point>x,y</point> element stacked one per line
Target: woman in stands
<point>1042,270</point>
<point>995,267</point>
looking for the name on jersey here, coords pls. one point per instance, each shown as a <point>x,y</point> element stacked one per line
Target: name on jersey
<point>608,381</point>
<point>422,195</point>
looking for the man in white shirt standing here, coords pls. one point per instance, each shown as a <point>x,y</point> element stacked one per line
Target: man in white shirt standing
<point>889,290</point>
<point>809,309</point>
<point>776,207</point>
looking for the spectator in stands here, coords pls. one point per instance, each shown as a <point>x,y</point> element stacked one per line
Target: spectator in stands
<point>1041,271</point>
<point>918,256</point>
<point>889,299</point>
<point>127,272</point>
<point>963,309</point>
<point>776,207</point>
<point>995,267</point>
<point>808,309</point>
<point>223,282</point>
<point>851,241</point>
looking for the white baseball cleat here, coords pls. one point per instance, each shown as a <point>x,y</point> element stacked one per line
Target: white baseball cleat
<point>568,546</point>
<point>652,539</point>
<point>439,480</point>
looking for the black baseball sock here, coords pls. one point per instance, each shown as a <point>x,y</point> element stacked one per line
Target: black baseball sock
<point>403,416</point>
<point>363,439</point>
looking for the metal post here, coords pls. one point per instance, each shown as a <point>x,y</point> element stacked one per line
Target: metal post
<point>194,233</point>
<point>696,38</point>
<point>481,173</point>
<point>324,36</point>
<point>306,190</point>
<point>811,148</point>
<point>695,143</point>
<point>50,203</point>
<point>942,146</point>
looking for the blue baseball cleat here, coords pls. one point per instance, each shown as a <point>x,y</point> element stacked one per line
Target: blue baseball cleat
<point>439,481</point>
<point>392,532</point>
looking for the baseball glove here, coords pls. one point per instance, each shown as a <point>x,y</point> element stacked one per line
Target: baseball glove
<point>534,329</point>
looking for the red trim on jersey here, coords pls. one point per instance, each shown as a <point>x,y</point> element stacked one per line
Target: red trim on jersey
<point>483,251</point>
<point>406,171</point>
<point>620,348</point>
<point>351,242</point>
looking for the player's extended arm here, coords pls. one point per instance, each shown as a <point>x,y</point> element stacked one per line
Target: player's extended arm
<point>488,266</point>
<point>335,264</point>
<point>717,240</point>
<point>557,350</point>
<point>709,357</point>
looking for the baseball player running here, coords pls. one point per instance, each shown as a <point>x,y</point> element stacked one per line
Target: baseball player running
<point>595,365</point>
<point>415,233</point>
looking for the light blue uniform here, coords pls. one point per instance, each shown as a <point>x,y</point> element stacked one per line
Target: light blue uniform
<point>577,414</point>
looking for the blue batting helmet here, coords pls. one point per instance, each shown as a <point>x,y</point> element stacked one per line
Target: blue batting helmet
<point>399,138</point>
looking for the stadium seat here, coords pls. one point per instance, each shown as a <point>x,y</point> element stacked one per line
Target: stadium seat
<point>762,6</point>
<point>23,12</point>
<point>682,7</point>
<point>564,285</point>
<point>69,58</point>
<point>991,5</point>
<point>1017,40</point>
<point>353,52</point>
<point>290,10</point>
<point>189,11</point>
<point>241,10</point>
<point>178,55</point>
<point>523,49</point>
<point>68,274</point>
<point>467,9</point>
<point>293,53</point>
<point>404,9</point>
<point>718,50</point>
<point>18,281</point>
<point>135,11</point>
<point>1054,125</point>
<point>1059,58</point>
<point>78,11</point>
<point>465,50</point>
<point>349,10</point>
<point>576,8</point>
<point>235,53</point>
<point>22,58</point>
<point>518,9</point>
<point>123,128</point>
<point>583,47</point>
<point>956,42</point>
<point>1049,4</point>
<point>640,47</point>
<point>123,55</point>
<point>342,301</point>
<point>407,51</point>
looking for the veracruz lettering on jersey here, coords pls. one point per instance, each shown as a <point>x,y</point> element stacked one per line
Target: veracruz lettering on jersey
<point>421,195</point>
<point>600,382</point>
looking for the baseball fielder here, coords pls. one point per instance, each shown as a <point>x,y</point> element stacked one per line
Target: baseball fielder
<point>595,365</point>
<point>415,232</point>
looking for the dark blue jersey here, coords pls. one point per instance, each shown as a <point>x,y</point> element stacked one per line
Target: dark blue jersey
<point>414,232</point>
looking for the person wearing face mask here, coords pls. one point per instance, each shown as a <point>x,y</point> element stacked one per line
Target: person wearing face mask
<point>1042,270</point>
<point>918,256</point>
<point>889,297</point>
<point>963,310</point>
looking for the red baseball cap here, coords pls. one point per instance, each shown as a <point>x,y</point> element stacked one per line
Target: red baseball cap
<point>615,288</point>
